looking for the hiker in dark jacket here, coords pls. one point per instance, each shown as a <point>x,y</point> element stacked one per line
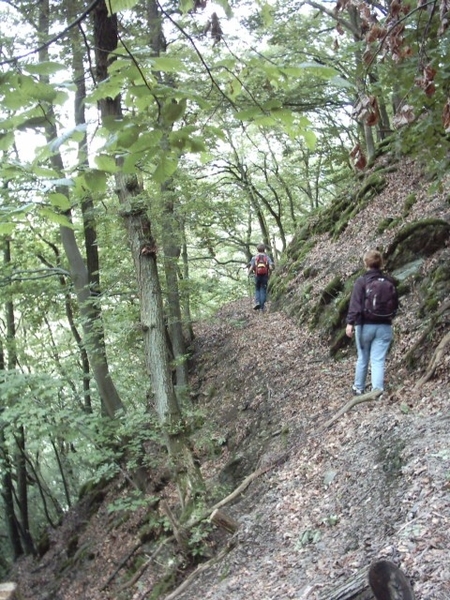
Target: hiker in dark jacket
<point>261,265</point>
<point>373,305</point>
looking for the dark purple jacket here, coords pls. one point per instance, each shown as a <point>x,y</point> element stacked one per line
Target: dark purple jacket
<point>356,307</point>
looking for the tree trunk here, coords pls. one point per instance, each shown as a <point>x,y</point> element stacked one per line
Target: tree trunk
<point>19,436</point>
<point>170,227</point>
<point>8,498</point>
<point>143,250</point>
<point>7,490</point>
<point>92,327</point>
<point>189,331</point>
<point>172,252</point>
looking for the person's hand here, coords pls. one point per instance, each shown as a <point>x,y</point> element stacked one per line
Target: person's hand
<point>349,331</point>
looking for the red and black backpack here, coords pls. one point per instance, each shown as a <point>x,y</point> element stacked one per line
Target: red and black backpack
<point>261,266</point>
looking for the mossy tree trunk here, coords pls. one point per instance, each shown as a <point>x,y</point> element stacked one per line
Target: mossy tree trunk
<point>131,196</point>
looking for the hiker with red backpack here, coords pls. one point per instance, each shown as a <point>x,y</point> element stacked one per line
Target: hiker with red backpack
<point>373,305</point>
<point>261,266</point>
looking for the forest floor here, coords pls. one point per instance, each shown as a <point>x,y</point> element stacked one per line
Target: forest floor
<point>374,484</point>
<point>325,501</point>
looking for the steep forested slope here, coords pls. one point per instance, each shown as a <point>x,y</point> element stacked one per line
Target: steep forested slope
<point>324,499</point>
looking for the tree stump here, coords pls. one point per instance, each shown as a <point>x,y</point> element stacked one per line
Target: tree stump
<point>9,591</point>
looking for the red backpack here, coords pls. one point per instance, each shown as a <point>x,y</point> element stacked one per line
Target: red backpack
<point>261,266</point>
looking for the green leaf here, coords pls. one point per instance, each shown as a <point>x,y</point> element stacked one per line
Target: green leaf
<point>56,218</point>
<point>186,6</point>
<point>197,144</point>
<point>106,163</point>
<point>340,82</point>
<point>6,228</point>
<point>13,101</point>
<point>146,141</point>
<point>234,89</point>
<point>271,104</point>
<point>173,111</point>
<point>168,64</point>
<point>109,88</point>
<point>310,138</point>
<point>227,63</point>
<point>320,70</point>
<point>128,136</point>
<point>215,131</point>
<point>95,180</point>
<point>42,171</point>
<point>226,7</point>
<point>115,6</point>
<point>59,201</point>
<point>45,68</point>
<point>6,140</point>
<point>248,114</point>
<point>165,169</point>
<point>267,12</point>
<point>182,140</point>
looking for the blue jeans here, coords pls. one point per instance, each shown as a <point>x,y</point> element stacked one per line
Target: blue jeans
<point>372,344</point>
<point>261,290</point>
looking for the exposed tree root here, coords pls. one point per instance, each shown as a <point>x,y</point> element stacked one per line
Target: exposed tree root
<point>350,404</point>
<point>435,360</point>
<point>444,307</point>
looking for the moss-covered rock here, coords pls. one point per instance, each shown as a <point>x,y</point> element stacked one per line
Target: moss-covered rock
<point>420,238</point>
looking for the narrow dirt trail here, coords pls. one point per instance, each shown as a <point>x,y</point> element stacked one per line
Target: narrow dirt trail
<point>375,484</point>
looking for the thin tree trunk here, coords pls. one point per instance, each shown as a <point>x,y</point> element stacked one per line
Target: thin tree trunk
<point>92,327</point>
<point>143,251</point>
<point>8,501</point>
<point>189,331</point>
<point>19,436</point>
<point>7,490</point>
<point>172,252</point>
<point>170,227</point>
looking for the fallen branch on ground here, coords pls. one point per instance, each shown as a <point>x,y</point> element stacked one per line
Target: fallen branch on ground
<point>144,566</point>
<point>200,569</point>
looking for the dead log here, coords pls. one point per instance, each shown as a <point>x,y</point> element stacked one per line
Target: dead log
<point>354,588</point>
<point>224,521</point>
<point>382,581</point>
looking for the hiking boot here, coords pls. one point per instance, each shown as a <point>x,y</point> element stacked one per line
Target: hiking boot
<point>257,306</point>
<point>357,392</point>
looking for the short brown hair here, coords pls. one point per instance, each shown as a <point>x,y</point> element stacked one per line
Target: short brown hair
<point>261,248</point>
<point>373,260</point>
